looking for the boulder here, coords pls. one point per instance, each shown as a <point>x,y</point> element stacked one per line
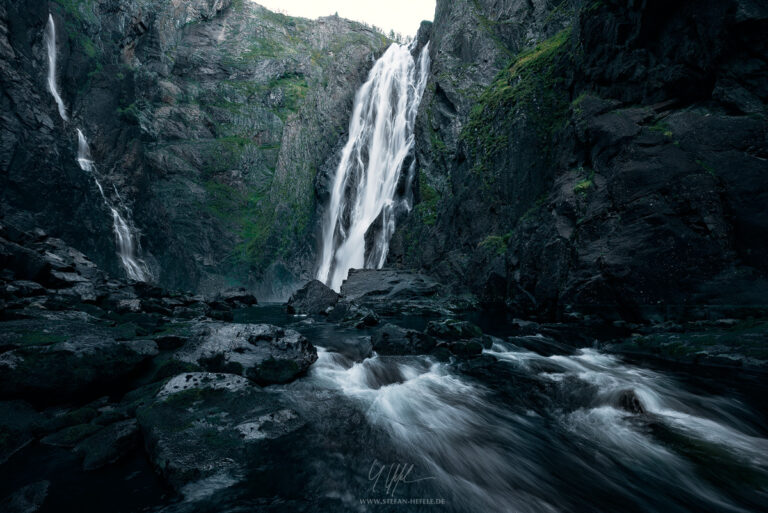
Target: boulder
<point>263,353</point>
<point>394,340</point>
<point>80,364</point>
<point>348,313</point>
<point>109,444</point>
<point>452,329</point>
<point>312,299</point>
<point>202,431</point>
<point>390,292</point>
<point>237,297</point>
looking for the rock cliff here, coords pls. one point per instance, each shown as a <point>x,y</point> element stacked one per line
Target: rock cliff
<point>582,157</point>
<point>210,117</point>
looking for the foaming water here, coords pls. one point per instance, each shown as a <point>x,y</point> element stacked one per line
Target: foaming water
<point>50,41</point>
<point>551,430</point>
<point>364,193</point>
<point>445,424</point>
<point>127,249</point>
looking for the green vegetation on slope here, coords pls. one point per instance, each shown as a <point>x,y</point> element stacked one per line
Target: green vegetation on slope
<point>530,86</point>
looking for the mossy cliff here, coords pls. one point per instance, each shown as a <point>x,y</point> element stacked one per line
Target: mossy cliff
<point>596,157</point>
<point>211,117</point>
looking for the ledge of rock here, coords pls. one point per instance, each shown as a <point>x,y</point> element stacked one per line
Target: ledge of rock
<point>263,353</point>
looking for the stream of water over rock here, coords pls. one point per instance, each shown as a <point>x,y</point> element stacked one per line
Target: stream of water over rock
<point>360,218</point>
<point>127,248</point>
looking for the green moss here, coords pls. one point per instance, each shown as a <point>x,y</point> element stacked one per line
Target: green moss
<point>79,9</point>
<point>130,112</point>
<point>427,207</point>
<point>530,85</point>
<point>40,338</point>
<point>496,244</point>
<point>583,186</point>
<point>662,128</point>
<point>706,167</point>
<point>69,437</point>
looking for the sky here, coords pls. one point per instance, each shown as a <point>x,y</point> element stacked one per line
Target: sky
<point>402,16</point>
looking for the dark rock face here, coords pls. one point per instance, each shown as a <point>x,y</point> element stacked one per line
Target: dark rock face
<point>615,166</point>
<point>312,299</point>
<point>210,117</point>
<point>263,353</point>
<point>202,431</point>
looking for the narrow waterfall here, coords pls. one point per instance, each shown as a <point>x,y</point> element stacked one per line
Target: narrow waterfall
<point>365,186</point>
<point>50,41</point>
<point>127,249</point>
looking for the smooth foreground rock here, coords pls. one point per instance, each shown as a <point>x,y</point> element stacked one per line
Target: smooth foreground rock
<point>203,431</point>
<point>71,367</point>
<point>312,299</point>
<point>260,352</point>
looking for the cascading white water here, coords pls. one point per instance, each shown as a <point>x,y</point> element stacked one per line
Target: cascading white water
<point>380,139</point>
<point>134,266</point>
<point>50,40</point>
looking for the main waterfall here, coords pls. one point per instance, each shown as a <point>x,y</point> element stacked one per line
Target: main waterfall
<point>366,181</point>
<point>127,250</point>
<point>50,41</point>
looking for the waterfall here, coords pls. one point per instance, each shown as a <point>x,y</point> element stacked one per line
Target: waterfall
<point>50,40</point>
<point>127,249</point>
<point>365,186</point>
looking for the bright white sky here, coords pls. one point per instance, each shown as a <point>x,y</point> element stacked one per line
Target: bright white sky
<point>402,16</point>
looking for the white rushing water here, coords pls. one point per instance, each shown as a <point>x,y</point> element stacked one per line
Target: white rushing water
<point>366,180</point>
<point>127,249</point>
<point>50,41</point>
<point>483,453</point>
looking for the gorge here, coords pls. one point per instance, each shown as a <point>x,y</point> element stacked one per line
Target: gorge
<point>257,262</point>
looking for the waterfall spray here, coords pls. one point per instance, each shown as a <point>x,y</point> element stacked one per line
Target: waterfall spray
<point>127,250</point>
<point>380,139</point>
<point>50,40</point>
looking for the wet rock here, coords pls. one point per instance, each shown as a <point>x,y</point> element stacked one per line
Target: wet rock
<point>394,340</point>
<point>263,353</point>
<point>452,329</point>
<point>390,292</point>
<point>80,364</point>
<point>466,348</point>
<point>348,313</point>
<point>28,499</point>
<point>202,431</point>
<point>22,288</point>
<point>109,444</point>
<point>629,401</point>
<point>170,342</point>
<point>237,297</point>
<point>312,299</point>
